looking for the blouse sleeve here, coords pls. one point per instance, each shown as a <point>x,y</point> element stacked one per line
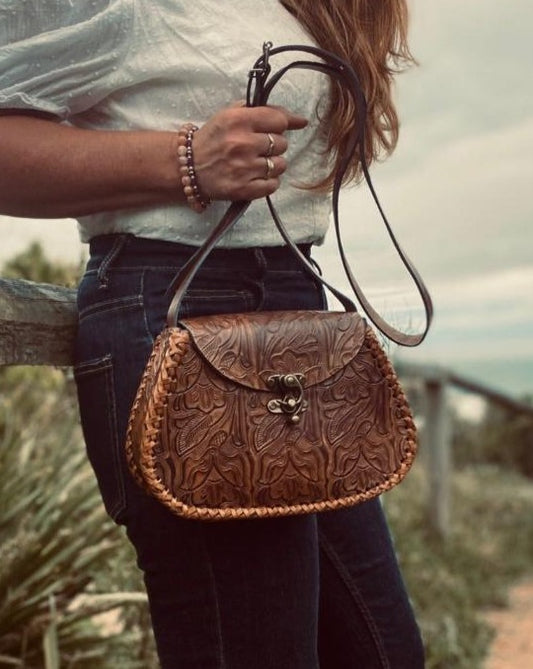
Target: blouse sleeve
<point>61,56</point>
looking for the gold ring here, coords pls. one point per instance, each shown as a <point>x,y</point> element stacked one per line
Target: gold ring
<point>271,145</point>
<point>269,167</point>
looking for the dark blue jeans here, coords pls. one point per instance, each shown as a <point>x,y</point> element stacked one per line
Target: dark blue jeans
<point>292,593</point>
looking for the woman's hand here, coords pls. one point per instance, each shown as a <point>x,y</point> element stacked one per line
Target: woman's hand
<point>48,170</point>
<point>238,153</point>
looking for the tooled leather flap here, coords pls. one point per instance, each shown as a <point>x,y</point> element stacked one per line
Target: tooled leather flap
<point>249,348</point>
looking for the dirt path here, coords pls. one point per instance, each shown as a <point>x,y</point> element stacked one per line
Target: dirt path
<point>512,647</point>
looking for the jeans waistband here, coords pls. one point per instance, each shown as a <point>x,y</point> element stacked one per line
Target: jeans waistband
<point>126,250</point>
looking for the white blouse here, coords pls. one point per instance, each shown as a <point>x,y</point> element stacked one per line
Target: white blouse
<point>134,64</point>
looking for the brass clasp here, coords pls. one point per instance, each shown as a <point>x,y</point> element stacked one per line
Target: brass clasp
<point>292,404</point>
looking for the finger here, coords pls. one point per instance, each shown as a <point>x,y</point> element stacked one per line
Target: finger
<point>259,188</point>
<point>274,119</point>
<point>295,121</point>
<point>269,168</point>
<point>251,189</point>
<point>270,144</point>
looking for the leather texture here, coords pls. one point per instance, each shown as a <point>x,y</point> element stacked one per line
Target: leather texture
<point>203,437</point>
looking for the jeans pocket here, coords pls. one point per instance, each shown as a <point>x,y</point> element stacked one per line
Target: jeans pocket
<point>214,301</point>
<point>96,393</point>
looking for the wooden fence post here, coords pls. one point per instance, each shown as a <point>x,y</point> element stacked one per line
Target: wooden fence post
<point>437,438</point>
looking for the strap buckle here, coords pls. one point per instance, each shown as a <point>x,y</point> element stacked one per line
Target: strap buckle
<point>257,76</point>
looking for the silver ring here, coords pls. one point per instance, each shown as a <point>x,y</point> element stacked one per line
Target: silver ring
<point>271,145</point>
<point>269,168</point>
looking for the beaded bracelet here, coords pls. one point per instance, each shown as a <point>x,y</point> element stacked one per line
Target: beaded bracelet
<point>196,201</point>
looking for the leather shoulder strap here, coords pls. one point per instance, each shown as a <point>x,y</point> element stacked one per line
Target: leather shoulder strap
<point>260,86</point>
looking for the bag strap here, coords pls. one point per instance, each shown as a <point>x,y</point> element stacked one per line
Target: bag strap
<point>259,88</point>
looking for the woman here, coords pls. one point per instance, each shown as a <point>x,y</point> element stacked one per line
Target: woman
<point>124,76</point>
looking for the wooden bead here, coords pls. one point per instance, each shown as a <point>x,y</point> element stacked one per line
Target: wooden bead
<point>194,198</point>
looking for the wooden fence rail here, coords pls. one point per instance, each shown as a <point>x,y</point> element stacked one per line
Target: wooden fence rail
<point>437,430</point>
<point>38,325</point>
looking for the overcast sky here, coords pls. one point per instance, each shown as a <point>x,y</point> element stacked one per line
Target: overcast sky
<point>459,188</point>
<point>458,192</point>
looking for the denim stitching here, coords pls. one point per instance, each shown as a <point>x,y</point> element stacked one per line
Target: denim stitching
<point>108,306</point>
<point>236,295</point>
<point>357,598</point>
<point>112,254</point>
<point>145,315</point>
<point>90,366</point>
<point>104,365</point>
<point>112,418</point>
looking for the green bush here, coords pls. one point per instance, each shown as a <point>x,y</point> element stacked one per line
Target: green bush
<point>452,582</point>
<point>57,547</point>
<point>33,265</point>
<point>501,438</point>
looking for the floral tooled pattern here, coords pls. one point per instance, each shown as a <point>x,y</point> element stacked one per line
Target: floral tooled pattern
<point>249,350</point>
<point>217,444</point>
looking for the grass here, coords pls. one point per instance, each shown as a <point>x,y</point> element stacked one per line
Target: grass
<point>56,543</point>
<point>452,582</point>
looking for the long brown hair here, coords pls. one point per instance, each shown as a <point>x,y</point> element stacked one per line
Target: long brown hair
<point>372,36</point>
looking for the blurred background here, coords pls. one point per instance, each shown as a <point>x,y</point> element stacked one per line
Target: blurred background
<point>458,194</point>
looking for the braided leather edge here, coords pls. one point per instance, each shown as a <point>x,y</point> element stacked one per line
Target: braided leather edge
<point>136,407</point>
<point>145,473</point>
<point>143,469</point>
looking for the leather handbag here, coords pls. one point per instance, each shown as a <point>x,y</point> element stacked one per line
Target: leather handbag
<point>266,414</point>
